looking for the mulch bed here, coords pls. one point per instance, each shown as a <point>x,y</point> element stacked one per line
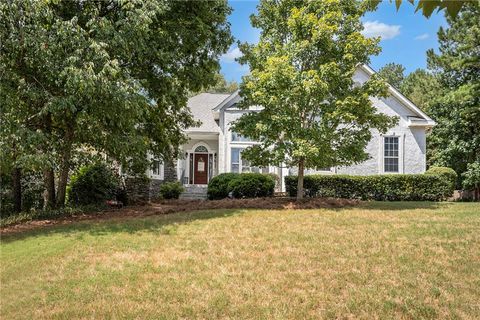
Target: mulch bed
<point>173,206</point>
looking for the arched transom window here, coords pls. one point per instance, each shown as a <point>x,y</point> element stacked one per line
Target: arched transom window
<point>201,149</point>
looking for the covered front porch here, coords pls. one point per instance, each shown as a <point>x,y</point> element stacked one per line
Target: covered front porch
<point>199,162</point>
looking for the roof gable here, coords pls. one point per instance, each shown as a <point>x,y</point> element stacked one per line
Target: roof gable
<point>206,106</point>
<point>420,118</point>
<point>201,106</point>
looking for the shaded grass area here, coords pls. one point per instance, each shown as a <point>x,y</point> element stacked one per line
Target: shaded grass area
<point>50,214</point>
<point>378,260</point>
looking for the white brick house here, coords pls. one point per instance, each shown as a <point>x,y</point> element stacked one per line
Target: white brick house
<point>213,147</point>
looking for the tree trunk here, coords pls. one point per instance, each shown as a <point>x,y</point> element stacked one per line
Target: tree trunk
<point>64,168</point>
<point>17,189</point>
<point>62,182</point>
<point>49,195</point>
<point>301,169</point>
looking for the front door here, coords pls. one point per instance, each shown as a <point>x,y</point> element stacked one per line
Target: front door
<point>200,175</point>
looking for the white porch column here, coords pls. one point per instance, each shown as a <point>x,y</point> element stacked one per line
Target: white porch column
<point>221,153</point>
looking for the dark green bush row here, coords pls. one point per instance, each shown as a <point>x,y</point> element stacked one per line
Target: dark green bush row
<point>405,187</point>
<point>244,185</point>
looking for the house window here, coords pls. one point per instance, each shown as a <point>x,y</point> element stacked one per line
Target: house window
<point>236,137</point>
<point>201,149</point>
<point>235,160</point>
<point>237,163</point>
<point>157,169</point>
<point>390,154</point>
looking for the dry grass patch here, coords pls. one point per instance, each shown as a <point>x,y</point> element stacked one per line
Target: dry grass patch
<point>376,261</point>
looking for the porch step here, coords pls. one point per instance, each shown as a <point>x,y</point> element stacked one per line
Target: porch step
<point>194,192</point>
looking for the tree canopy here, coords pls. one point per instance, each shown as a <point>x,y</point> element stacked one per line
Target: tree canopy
<point>220,85</point>
<point>427,7</point>
<point>301,73</point>
<point>110,76</point>
<point>393,74</point>
<point>455,141</point>
<point>421,87</point>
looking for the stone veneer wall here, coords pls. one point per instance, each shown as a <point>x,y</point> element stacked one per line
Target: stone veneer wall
<point>146,189</point>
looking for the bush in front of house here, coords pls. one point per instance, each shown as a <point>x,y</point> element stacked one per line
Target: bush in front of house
<point>394,187</point>
<point>241,185</point>
<point>252,185</point>
<point>218,186</point>
<point>171,190</point>
<point>93,184</point>
<point>447,173</point>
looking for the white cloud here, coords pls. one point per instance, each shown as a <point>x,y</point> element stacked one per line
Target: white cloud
<point>423,36</point>
<point>231,55</point>
<point>379,29</point>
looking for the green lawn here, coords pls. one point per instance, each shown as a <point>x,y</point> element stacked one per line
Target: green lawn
<point>379,260</point>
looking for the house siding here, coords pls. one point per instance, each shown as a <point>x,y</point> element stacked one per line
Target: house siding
<point>220,109</point>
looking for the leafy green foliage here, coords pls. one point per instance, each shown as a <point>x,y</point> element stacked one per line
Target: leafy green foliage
<point>427,7</point>
<point>401,187</point>
<point>93,185</point>
<point>421,87</point>
<point>103,76</point>
<point>455,140</point>
<point>32,193</point>
<point>393,74</point>
<point>221,85</point>
<point>171,190</point>
<point>241,185</point>
<point>218,186</point>
<point>448,173</point>
<point>301,74</point>
<point>472,176</point>
<point>252,185</point>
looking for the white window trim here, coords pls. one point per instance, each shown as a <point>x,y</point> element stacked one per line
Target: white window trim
<point>210,151</point>
<point>240,161</point>
<point>381,158</point>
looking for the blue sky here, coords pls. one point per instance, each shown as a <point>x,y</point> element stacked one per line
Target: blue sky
<point>406,35</point>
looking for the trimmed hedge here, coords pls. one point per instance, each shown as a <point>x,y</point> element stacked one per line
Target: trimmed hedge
<point>244,185</point>
<point>218,186</point>
<point>447,173</point>
<point>398,187</point>
<point>171,190</point>
<point>252,185</point>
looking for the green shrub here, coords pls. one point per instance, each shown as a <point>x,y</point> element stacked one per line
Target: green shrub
<point>447,173</point>
<point>171,190</point>
<point>398,187</point>
<point>252,185</point>
<point>92,184</point>
<point>472,176</point>
<point>241,185</point>
<point>218,186</point>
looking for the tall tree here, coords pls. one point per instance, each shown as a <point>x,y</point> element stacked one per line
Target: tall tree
<point>455,141</point>
<point>302,69</point>
<point>421,87</point>
<point>221,85</point>
<point>393,74</point>
<point>113,76</point>
<point>427,7</point>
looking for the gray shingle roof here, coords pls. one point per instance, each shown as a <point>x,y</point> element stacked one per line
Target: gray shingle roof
<point>202,106</point>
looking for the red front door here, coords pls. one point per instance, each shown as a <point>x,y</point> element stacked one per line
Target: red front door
<point>200,175</point>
